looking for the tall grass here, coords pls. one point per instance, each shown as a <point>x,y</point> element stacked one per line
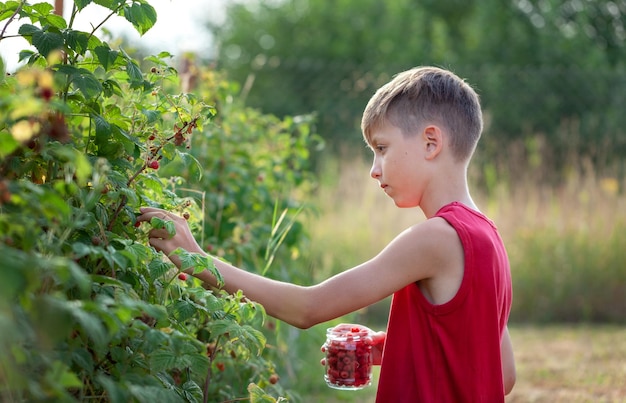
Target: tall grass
<point>566,243</point>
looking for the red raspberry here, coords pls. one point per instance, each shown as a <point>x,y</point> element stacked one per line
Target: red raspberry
<point>154,164</point>
<point>182,276</point>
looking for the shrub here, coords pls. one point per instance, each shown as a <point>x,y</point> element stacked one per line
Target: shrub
<point>88,135</point>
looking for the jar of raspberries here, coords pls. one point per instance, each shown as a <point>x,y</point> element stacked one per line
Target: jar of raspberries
<point>348,357</point>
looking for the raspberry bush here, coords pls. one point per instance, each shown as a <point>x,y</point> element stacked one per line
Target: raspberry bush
<point>88,135</point>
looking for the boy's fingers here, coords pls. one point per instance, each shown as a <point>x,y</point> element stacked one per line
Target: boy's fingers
<point>147,213</point>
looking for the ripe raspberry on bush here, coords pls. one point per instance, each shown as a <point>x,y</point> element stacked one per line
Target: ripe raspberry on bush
<point>154,164</point>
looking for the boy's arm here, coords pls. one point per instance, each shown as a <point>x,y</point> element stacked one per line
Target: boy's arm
<point>418,253</point>
<point>508,362</point>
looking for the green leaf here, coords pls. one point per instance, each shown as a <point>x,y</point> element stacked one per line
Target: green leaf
<point>116,391</point>
<point>43,9</point>
<point>191,391</point>
<point>162,360</point>
<point>103,128</point>
<point>55,20</point>
<point>134,72</point>
<point>199,263</point>
<point>258,395</point>
<point>87,83</point>
<point>152,340</point>
<point>90,322</point>
<point>77,41</point>
<point>106,56</point>
<point>192,164</point>
<point>199,363</point>
<point>111,87</point>
<point>158,268</point>
<point>46,41</point>
<point>82,79</point>
<point>28,30</point>
<point>7,144</point>
<point>83,359</point>
<point>158,223</point>
<point>60,375</point>
<point>182,310</point>
<point>80,4</point>
<point>141,15</point>
<point>151,115</point>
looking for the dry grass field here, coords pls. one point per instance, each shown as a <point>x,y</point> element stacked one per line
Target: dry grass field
<point>572,364</point>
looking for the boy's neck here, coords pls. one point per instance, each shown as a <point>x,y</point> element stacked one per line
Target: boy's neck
<point>447,189</point>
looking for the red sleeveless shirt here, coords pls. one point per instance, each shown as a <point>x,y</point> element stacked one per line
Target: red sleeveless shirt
<point>451,352</point>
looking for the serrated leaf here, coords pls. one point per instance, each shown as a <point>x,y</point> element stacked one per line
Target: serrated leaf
<point>199,363</point>
<point>77,40</point>
<point>56,21</point>
<point>258,395</point>
<point>28,30</point>
<point>80,4</point>
<point>111,87</point>
<point>199,263</point>
<point>151,115</point>
<point>158,223</point>
<point>47,41</point>
<point>255,340</point>
<point>87,83</point>
<point>182,310</point>
<point>191,391</point>
<point>106,56</point>
<point>162,360</point>
<point>43,9</point>
<point>153,339</point>
<point>141,15</point>
<point>138,251</point>
<point>134,72</point>
<point>157,269</point>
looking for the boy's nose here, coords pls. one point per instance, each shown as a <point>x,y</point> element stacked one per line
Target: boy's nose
<point>375,170</point>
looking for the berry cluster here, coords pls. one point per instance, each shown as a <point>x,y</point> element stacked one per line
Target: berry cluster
<point>348,359</point>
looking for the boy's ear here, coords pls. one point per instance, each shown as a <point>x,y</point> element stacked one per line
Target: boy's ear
<point>433,141</point>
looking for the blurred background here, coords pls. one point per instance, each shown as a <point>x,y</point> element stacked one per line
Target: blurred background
<point>549,170</point>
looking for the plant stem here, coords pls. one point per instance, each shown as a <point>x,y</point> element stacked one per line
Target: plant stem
<point>17,11</point>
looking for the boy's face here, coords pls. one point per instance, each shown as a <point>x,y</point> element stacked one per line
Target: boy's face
<point>399,164</point>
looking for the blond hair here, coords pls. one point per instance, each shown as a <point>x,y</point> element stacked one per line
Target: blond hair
<point>428,95</point>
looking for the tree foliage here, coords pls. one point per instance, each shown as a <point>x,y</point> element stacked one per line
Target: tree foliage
<point>548,72</point>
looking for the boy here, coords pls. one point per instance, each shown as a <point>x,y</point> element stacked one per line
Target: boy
<point>447,338</point>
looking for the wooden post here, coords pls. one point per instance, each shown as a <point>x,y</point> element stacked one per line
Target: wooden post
<point>58,7</point>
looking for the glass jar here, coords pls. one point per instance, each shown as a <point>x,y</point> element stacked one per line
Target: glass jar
<point>348,357</point>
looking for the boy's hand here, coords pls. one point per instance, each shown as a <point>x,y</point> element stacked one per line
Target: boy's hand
<point>162,241</point>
